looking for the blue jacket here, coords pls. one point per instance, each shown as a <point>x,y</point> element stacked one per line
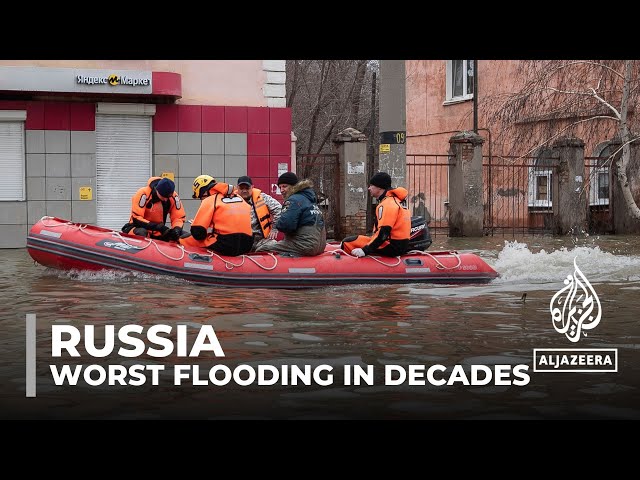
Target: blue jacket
<point>300,208</point>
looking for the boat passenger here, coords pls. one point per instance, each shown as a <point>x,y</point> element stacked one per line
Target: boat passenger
<point>150,206</point>
<point>223,221</point>
<point>301,220</point>
<point>265,211</point>
<point>392,222</point>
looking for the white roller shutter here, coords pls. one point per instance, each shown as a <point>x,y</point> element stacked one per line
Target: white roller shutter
<point>12,161</point>
<point>123,163</point>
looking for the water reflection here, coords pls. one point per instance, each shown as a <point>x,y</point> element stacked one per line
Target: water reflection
<point>379,325</point>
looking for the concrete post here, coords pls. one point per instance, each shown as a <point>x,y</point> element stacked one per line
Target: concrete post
<point>393,121</point>
<point>623,222</point>
<point>569,197</point>
<point>351,146</point>
<point>466,207</point>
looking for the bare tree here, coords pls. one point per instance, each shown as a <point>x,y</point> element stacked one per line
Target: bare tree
<point>594,100</point>
<point>327,96</point>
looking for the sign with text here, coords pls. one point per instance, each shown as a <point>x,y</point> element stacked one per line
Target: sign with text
<point>86,193</point>
<point>393,138</point>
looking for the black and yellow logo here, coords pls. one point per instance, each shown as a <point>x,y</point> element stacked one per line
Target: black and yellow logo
<point>114,79</point>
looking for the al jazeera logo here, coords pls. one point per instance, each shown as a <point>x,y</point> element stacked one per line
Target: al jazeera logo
<point>575,312</point>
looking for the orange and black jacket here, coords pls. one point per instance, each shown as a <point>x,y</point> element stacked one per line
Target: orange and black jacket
<point>223,222</point>
<point>392,224</point>
<point>148,211</point>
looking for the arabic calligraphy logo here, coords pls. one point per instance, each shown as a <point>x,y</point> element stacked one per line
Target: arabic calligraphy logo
<point>575,307</point>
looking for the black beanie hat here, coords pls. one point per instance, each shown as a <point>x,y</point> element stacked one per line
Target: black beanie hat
<point>165,187</point>
<point>288,178</point>
<point>381,180</point>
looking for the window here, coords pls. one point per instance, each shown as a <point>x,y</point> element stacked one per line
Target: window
<point>599,175</point>
<point>459,80</point>
<point>541,181</point>
<point>12,158</point>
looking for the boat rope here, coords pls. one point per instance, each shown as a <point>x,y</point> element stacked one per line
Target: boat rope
<point>377,259</point>
<point>264,267</point>
<point>46,217</point>
<point>439,264</point>
<point>83,228</point>
<point>168,256</point>
<point>230,265</point>
<point>339,250</point>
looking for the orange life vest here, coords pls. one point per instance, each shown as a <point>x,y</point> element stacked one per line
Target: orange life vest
<point>222,214</point>
<point>144,210</point>
<point>262,212</point>
<point>391,212</point>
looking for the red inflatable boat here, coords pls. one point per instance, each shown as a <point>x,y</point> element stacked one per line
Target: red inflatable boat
<point>58,243</point>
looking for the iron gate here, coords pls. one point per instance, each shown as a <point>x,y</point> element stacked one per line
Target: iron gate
<point>323,169</point>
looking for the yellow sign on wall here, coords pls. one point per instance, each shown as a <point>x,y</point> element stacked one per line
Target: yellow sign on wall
<point>86,193</point>
<point>385,147</point>
<point>168,175</point>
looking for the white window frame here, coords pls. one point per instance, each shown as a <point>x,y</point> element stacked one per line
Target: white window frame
<point>534,173</point>
<point>17,117</point>
<point>450,98</point>
<point>594,178</point>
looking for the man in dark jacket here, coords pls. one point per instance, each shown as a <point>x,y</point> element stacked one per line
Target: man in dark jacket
<point>301,220</point>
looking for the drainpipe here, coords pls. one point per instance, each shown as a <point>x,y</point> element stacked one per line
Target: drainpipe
<point>475,96</point>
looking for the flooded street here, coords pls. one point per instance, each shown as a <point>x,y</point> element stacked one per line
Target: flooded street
<point>499,323</point>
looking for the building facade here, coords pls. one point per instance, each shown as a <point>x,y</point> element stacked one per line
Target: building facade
<point>517,182</point>
<point>78,138</point>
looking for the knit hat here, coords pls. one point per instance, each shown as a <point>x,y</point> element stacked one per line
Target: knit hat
<point>288,178</point>
<point>165,187</point>
<point>381,180</point>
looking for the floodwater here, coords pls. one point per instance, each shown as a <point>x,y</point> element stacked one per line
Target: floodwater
<point>412,327</point>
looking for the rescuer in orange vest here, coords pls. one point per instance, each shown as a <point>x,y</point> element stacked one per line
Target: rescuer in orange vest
<point>150,206</point>
<point>223,221</point>
<point>392,222</point>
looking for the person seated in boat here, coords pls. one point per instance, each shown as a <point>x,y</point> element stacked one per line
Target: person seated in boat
<point>392,222</point>
<point>150,206</point>
<point>265,211</point>
<point>301,220</point>
<point>223,221</point>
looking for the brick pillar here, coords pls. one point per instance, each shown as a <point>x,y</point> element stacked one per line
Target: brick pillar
<point>466,208</point>
<point>351,146</point>
<point>569,201</point>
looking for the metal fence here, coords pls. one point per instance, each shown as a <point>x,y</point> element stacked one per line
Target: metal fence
<point>517,193</point>
<point>323,169</point>
<point>428,186</point>
<point>598,187</point>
